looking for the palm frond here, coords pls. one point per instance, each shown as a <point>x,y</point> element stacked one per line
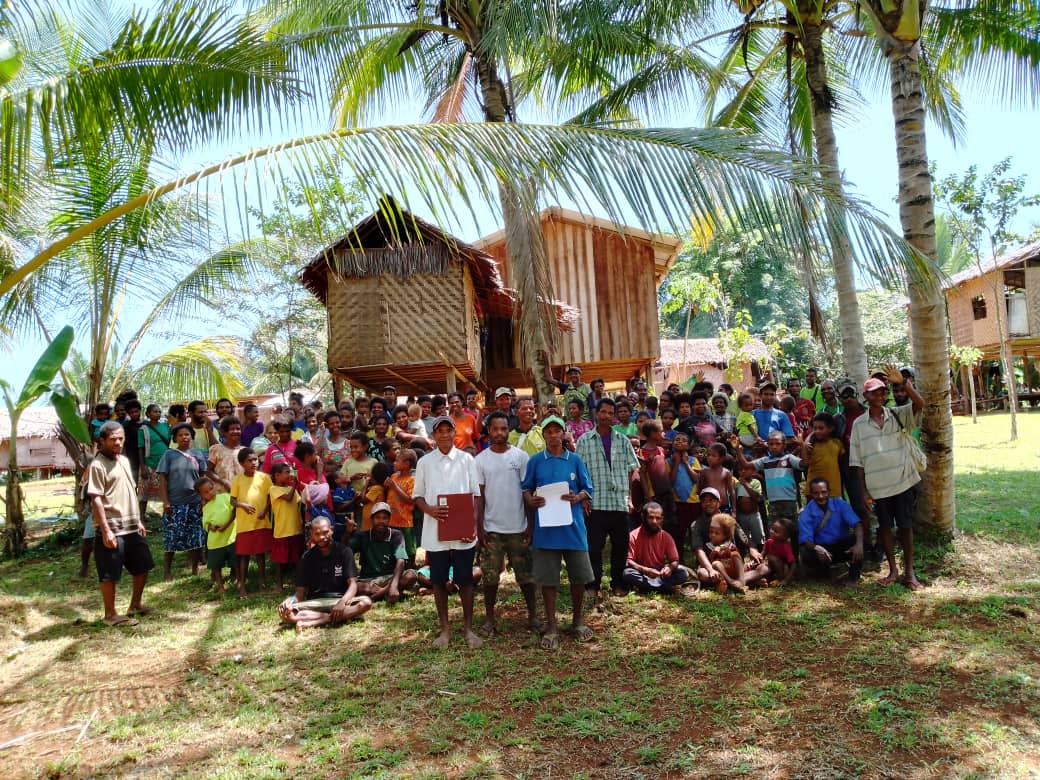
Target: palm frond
<point>187,73</point>
<point>991,45</point>
<point>207,368</point>
<point>661,178</point>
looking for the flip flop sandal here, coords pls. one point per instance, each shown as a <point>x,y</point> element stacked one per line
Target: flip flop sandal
<point>123,621</point>
<point>583,634</point>
<point>550,642</point>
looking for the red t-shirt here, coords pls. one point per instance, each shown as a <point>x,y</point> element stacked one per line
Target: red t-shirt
<point>653,550</point>
<point>781,550</point>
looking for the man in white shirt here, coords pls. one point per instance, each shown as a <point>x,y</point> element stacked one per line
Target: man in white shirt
<point>443,472</point>
<point>502,522</point>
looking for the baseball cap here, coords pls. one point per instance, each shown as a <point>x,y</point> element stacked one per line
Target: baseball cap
<point>437,421</point>
<point>846,387</point>
<point>873,384</point>
<point>389,387</point>
<point>502,391</point>
<point>710,491</point>
<point>380,506</point>
<point>573,368</point>
<point>765,385</point>
<point>553,420</point>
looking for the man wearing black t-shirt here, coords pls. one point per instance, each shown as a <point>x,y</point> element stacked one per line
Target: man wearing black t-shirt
<point>326,583</point>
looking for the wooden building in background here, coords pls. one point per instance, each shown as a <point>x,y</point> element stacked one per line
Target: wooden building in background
<point>410,306</point>
<point>611,275</point>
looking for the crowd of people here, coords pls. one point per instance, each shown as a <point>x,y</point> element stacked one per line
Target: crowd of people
<point>696,487</point>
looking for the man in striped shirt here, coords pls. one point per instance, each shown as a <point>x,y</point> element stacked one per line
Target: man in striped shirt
<point>881,462</point>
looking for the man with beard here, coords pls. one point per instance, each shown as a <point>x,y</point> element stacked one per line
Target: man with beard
<point>326,583</point>
<point>502,524</point>
<point>653,560</point>
<point>203,435</point>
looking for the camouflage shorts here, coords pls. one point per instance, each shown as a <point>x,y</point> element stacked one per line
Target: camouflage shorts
<point>493,556</point>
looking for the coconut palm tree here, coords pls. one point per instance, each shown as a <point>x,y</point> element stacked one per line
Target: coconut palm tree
<point>151,267</point>
<point>443,52</point>
<point>659,176</point>
<point>997,42</point>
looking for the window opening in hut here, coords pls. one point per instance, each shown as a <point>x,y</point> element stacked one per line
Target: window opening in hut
<point>978,307</point>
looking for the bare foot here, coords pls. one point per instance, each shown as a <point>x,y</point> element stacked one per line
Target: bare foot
<point>139,611</point>
<point>536,625</point>
<point>168,577</point>
<point>442,641</point>
<point>892,576</point>
<point>912,583</point>
<point>722,587</point>
<point>473,640</point>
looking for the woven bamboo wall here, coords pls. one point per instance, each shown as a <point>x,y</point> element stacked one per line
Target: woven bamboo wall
<point>958,304</point>
<point>389,320</point>
<point>1033,298</point>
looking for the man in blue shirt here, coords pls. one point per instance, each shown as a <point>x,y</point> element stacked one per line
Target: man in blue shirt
<point>769,418</point>
<point>567,543</point>
<point>829,532</point>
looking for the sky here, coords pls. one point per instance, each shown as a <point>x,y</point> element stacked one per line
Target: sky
<point>866,151</point>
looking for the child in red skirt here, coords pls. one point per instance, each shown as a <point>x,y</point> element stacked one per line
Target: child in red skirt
<point>288,521</point>
<point>250,493</point>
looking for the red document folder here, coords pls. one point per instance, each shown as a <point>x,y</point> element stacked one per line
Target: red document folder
<point>461,523</point>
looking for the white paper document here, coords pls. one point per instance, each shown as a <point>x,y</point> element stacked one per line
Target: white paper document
<point>556,511</point>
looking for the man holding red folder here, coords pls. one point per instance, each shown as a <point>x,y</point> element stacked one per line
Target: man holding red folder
<point>446,484</point>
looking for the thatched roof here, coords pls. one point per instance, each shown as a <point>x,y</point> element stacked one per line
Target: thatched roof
<point>395,241</point>
<point>36,422</point>
<point>1028,252</point>
<point>705,352</point>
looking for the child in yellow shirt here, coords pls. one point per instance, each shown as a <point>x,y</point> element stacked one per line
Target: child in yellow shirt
<point>250,493</point>
<point>287,546</point>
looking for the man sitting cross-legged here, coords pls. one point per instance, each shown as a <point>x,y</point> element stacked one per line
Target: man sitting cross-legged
<point>383,558</point>
<point>653,560</point>
<point>326,583</point>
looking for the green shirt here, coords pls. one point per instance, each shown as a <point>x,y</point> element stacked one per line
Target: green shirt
<point>627,430</point>
<point>215,514</point>
<point>531,442</point>
<point>580,393</point>
<point>814,394</point>
<point>377,558</point>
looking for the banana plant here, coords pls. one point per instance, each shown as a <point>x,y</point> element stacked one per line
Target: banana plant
<point>38,383</point>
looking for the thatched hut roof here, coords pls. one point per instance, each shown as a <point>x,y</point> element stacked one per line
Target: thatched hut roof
<point>394,241</point>
<point>705,352</point>
<point>36,422</point>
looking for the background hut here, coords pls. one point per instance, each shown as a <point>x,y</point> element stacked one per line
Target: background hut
<point>704,356</point>
<point>611,275</point>
<point>39,448</point>
<point>1012,283</point>
<point>406,304</point>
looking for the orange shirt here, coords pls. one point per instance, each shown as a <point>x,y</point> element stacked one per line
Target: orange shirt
<point>465,432</point>
<point>400,509</point>
<point>373,495</point>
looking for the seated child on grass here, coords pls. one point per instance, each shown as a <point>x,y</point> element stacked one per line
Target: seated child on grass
<point>776,563</point>
<point>719,561</point>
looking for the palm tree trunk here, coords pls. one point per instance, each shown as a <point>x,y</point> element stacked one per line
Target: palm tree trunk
<point>853,347</point>
<point>525,247</point>
<point>937,509</point>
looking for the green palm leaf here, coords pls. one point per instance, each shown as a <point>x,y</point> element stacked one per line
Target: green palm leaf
<point>207,368</point>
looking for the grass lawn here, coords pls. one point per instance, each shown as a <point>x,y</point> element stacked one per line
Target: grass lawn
<point>803,682</point>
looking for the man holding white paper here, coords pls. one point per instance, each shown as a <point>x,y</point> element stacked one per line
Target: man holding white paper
<point>558,487</point>
<point>442,474</point>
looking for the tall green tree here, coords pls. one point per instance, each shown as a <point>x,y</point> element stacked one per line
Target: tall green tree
<point>993,42</point>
